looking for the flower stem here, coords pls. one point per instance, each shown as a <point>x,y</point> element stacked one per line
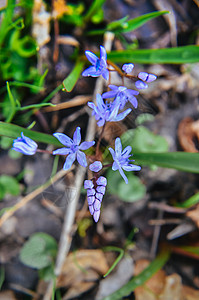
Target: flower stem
<point>99,141</point>
<point>44,151</point>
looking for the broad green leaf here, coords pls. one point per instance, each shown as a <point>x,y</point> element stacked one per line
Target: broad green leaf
<point>14,131</point>
<point>183,161</point>
<point>70,81</point>
<point>140,279</point>
<point>133,191</point>
<point>2,191</point>
<point>39,251</point>
<point>122,25</point>
<point>143,140</point>
<point>10,184</point>
<point>175,55</point>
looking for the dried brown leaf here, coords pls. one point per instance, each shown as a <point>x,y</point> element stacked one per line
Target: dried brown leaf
<point>187,133</point>
<point>81,270</point>
<point>194,215</point>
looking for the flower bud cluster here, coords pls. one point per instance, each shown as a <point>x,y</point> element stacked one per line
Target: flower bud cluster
<point>95,193</point>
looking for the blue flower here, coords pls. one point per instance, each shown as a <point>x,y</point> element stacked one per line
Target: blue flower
<point>121,159</point>
<point>72,148</point>
<point>122,94</point>
<point>144,76</point>
<point>24,145</point>
<point>96,166</point>
<point>127,68</point>
<point>99,65</point>
<point>107,112</point>
<point>95,193</point>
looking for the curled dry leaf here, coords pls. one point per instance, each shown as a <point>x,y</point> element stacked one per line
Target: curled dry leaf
<point>188,133</point>
<point>162,287</point>
<point>81,271</point>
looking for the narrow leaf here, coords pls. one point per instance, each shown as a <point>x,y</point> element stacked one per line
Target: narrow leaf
<point>139,21</point>
<point>70,81</point>
<point>123,25</point>
<point>140,279</point>
<point>183,161</point>
<point>176,55</point>
<point>14,131</point>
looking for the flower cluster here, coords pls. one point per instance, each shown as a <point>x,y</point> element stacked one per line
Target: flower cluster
<point>95,193</point>
<point>104,111</point>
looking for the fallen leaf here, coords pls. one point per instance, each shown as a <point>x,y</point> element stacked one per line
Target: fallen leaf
<point>193,214</point>
<point>81,271</point>
<point>162,287</point>
<point>188,132</point>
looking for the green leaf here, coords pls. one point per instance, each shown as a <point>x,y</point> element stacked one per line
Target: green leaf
<point>94,8</point>
<point>70,81</point>
<point>14,131</point>
<point>139,21</point>
<point>39,251</point>
<point>121,254</point>
<point>190,201</point>
<point>10,184</point>
<point>183,161</point>
<point>143,140</point>
<point>122,25</point>
<point>2,191</point>
<point>131,192</point>
<point>140,279</point>
<point>175,55</point>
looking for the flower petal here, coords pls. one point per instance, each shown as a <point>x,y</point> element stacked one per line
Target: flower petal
<point>86,145</point>
<point>91,57</point>
<point>122,115</point>
<point>96,166</point>
<point>69,161</point>
<point>118,147</point>
<point>123,175</point>
<point>131,168</point>
<point>62,151</point>
<point>77,136</point>
<point>64,139</point>
<point>81,158</point>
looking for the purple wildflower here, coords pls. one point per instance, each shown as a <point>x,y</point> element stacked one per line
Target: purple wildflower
<point>24,145</point>
<point>96,166</point>
<point>94,196</point>
<point>99,65</point>
<point>121,159</point>
<point>122,94</point>
<point>127,68</point>
<point>72,148</point>
<point>107,112</point>
<point>141,85</point>
<point>146,77</point>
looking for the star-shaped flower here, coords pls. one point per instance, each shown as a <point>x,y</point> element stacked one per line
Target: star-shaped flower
<point>73,148</point>
<point>121,159</point>
<point>122,94</point>
<point>99,65</point>
<point>107,112</point>
<point>24,145</point>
